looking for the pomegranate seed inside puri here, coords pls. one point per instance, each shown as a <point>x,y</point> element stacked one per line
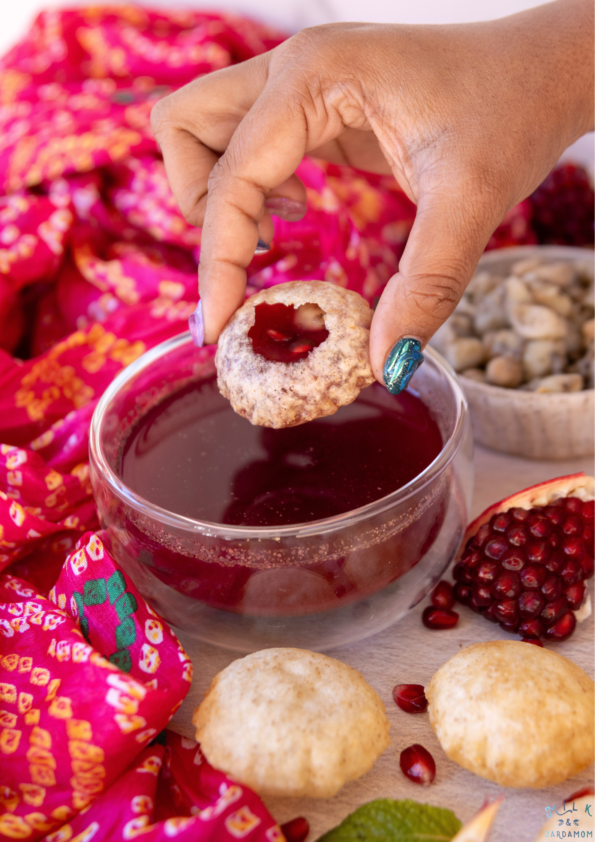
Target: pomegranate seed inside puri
<point>526,569</point>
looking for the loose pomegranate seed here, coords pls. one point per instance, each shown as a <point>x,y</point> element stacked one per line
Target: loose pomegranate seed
<point>531,604</point>
<point>573,504</point>
<point>575,595</point>
<point>442,595</point>
<point>513,560</point>
<point>574,548</point>
<point>572,572</point>
<point>507,586</point>
<point>501,522</point>
<point>552,588</point>
<point>562,629</point>
<point>439,618</point>
<point>525,569</point>
<point>278,335</point>
<point>496,548</point>
<point>418,765</point>
<point>520,514</point>
<point>517,535</point>
<point>482,596</point>
<point>506,610</point>
<point>553,611</point>
<point>539,552</point>
<point>533,577</point>
<point>531,629</point>
<point>462,573</point>
<point>410,698</point>
<point>296,830</point>
<point>486,573</point>
<point>582,793</point>
<point>462,593</point>
<point>532,640</point>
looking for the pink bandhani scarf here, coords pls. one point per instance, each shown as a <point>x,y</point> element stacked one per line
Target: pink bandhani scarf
<point>96,266</point>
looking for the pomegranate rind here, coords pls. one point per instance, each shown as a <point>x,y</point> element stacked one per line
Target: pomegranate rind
<point>478,829</point>
<point>279,394</point>
<point>573,485</point>
<point>495,712</point>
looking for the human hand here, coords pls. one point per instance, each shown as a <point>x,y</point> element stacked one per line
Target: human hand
<point>468,118</point>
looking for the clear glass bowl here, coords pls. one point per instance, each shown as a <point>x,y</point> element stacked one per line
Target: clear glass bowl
<point>314,585</point>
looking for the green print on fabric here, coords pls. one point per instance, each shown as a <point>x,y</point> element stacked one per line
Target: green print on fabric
<point>97,592</point>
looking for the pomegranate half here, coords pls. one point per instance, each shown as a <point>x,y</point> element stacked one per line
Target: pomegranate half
<point>524,562</point>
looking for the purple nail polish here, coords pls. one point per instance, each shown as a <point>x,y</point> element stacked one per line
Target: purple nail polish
<point>197,326</point>
<point>287,209</point>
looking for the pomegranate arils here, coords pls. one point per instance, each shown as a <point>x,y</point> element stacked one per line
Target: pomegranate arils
<point>573,525</point>
<point>540,527</point>
<point>517,535</point>
<point>562,629</point>
<point>552,588</point>
<point>574,548</point>
<point>532,640</point>
<point>533,577</point>
<point>513,560</point>
<point>482,596</point>
<point>506,611</point>
<point>507,586</point>
<point>573,504</point>
<point>486,573</point>
<point>526,568</point>
<point>553,611</point>
<point>410,698</point>
<point>554,514</point>
<point>501,522</point>
<point>582,793</point>
<point>572,572</point>
<point>278,335</point>
<point>530,604</point>
<point>296,830</point>
<point>496,548</point>
<point>462,573</point>
<point>418,765</point>
<point>442,595</point>
<point>462,593</point>
<point>531,629</point>
<point>539,552</point>
<point>575,595</point>
<point>439,618</point>
<point>300,347</point>
<point>519,514</point>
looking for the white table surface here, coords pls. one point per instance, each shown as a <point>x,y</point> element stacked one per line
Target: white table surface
<point>407,652</point>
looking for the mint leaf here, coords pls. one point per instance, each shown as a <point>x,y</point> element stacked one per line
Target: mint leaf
<point>385,820</point>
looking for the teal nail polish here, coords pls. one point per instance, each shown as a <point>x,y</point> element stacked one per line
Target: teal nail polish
<point>404,359</point>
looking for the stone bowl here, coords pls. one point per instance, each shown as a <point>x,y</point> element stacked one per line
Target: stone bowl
<point>536,426</point>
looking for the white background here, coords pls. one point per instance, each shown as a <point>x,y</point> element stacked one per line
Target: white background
<point>291,15</point>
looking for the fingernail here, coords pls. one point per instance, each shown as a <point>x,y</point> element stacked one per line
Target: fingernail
<point>261,247</point>
<point>287,209</point>
<point>404,359</point>
<point>197,326</point>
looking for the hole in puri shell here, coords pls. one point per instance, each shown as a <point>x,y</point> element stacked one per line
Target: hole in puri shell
<point>287,334</point>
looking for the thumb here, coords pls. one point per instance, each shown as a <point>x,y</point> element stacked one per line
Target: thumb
<point>440,256</point>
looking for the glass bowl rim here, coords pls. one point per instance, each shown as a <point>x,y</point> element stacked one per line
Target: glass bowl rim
<point>144,507</point>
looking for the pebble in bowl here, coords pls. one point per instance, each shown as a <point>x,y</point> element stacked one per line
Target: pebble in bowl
<point>521,340</point>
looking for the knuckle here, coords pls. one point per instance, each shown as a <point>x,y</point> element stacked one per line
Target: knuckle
<point>160,115</point>
<point>434,296</point>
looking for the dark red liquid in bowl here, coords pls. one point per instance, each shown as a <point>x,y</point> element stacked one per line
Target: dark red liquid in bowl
<point>193,455</point>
